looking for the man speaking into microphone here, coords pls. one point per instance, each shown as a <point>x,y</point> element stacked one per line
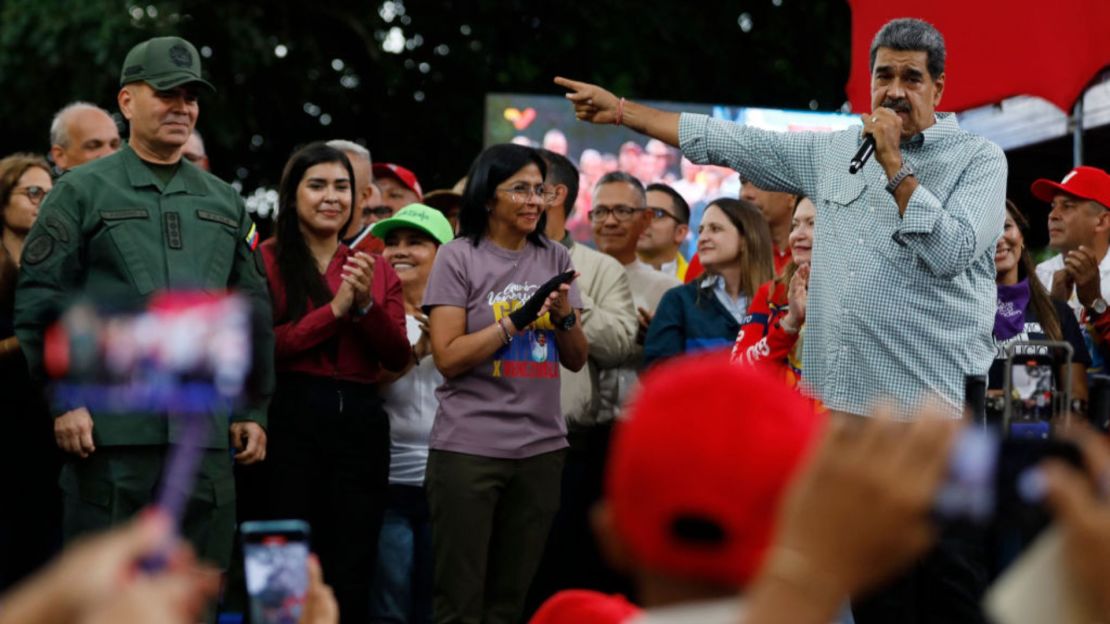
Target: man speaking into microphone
<point>901,293</point>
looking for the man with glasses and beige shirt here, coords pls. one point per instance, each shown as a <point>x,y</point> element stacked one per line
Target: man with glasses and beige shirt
<point>619,216</point>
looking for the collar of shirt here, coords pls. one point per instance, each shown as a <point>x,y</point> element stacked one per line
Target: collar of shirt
<point>945,126</point>
<point>738,307</point>
<point>188,179</point>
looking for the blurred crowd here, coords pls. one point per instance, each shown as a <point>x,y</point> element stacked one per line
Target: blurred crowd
<point>558,391</point>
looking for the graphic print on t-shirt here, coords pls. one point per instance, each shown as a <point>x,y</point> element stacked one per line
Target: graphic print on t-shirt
<point>532,354</point>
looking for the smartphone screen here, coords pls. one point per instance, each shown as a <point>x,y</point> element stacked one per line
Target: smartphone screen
<point>1034,394</point>
<point>1037,390</point>
<point>276,562</point>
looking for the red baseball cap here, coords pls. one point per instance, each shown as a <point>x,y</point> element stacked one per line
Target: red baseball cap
<point>402,175</point>
<point>584,606</point>
<point>1083,182</point>
<point>697,470</point>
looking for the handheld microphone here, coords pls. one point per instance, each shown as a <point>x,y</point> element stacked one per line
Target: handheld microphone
<point>866,149</point>
<point>863,154</point>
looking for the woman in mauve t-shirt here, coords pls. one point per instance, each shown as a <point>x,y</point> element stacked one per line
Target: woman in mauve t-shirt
<point>499,329</point>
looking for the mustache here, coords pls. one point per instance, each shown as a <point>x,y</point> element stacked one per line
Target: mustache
<point>898,106</point>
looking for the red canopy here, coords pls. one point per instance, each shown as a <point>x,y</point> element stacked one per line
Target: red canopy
<point>996,48</point>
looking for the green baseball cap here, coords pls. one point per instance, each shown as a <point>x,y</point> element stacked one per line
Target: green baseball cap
<point>416,217</point>
<point>163,63</point>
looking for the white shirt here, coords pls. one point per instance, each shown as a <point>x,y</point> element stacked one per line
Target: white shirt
<point>648,285</point>
<point>411,405</point>
<point>1046,269</point>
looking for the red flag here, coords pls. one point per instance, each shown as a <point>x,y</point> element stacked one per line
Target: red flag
<point>996,48</point>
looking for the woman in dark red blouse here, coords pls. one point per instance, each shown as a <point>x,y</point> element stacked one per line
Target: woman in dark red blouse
<point>339,318</point>
<point>773,330</point>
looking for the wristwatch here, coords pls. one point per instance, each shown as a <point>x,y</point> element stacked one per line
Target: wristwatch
<point>565,323</point>
<point>903,173</point>
<point>1098,306</point>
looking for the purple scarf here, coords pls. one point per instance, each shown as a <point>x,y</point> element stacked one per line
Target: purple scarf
<point>1009,318</point>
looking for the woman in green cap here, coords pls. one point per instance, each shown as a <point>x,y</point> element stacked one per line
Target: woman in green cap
<point>402,588</point>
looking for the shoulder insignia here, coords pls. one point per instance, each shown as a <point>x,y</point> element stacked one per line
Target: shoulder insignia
<point>252,237</point>
<point>39,249</point>
<point>57,228</point>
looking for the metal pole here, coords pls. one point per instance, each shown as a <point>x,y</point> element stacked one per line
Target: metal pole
<point>1077,133</point>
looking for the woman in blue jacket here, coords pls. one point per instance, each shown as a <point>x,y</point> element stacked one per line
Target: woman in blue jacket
<point>734,246</point>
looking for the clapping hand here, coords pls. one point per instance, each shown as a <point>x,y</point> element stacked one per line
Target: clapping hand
<point>542,300</point>
<point>798,295</point>
<point>423,346</point>
<point>1082,266</point>
<point>358,272</point>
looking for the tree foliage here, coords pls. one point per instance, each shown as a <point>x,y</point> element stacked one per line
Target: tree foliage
<point>423,106</point>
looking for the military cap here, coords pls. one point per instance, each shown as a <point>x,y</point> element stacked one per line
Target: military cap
<point>163,63</point>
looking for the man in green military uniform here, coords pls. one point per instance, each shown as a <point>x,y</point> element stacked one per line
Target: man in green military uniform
<point>117,230</point>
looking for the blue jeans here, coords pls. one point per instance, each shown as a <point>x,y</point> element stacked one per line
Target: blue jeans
<point>402,587</point>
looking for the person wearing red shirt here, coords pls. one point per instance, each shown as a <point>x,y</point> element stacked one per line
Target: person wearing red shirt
<point>772,331</point>
<point>339,319</point>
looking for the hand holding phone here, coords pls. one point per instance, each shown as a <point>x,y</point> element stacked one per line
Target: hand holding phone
<point>276,562</point>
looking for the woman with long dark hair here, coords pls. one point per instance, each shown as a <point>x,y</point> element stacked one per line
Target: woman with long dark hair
<point>1025,310</point>
<point>734,245</point>
<point>29,455</point>
<point>503,317</point>
<point>338,319</point>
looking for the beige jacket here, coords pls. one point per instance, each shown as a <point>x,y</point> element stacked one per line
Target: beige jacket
<point>609,321</point>
<point>617,383</point>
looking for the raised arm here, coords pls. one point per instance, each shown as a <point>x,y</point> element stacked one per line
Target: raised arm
<point>775,161</point>
<point>596,105</point>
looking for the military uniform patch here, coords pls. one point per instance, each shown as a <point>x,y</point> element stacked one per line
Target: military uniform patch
<point>173,230</point>
<point>38,250</point>
<point>57,229</point>
<point>180,56</point>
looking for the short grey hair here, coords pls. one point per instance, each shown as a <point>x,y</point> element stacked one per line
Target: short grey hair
<point>615,177</point>
<point>59,127</point>
<point>351,147</point>
<point>913,35</point>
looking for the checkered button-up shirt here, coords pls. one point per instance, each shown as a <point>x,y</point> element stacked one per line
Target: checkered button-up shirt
<point>899,306</point>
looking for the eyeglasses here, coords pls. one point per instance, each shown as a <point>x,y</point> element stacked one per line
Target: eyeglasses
<point>659,213</point>
<point>33,193</point>
<point>381,212</point>
<point>621,212</point>
<point>522,192</point>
